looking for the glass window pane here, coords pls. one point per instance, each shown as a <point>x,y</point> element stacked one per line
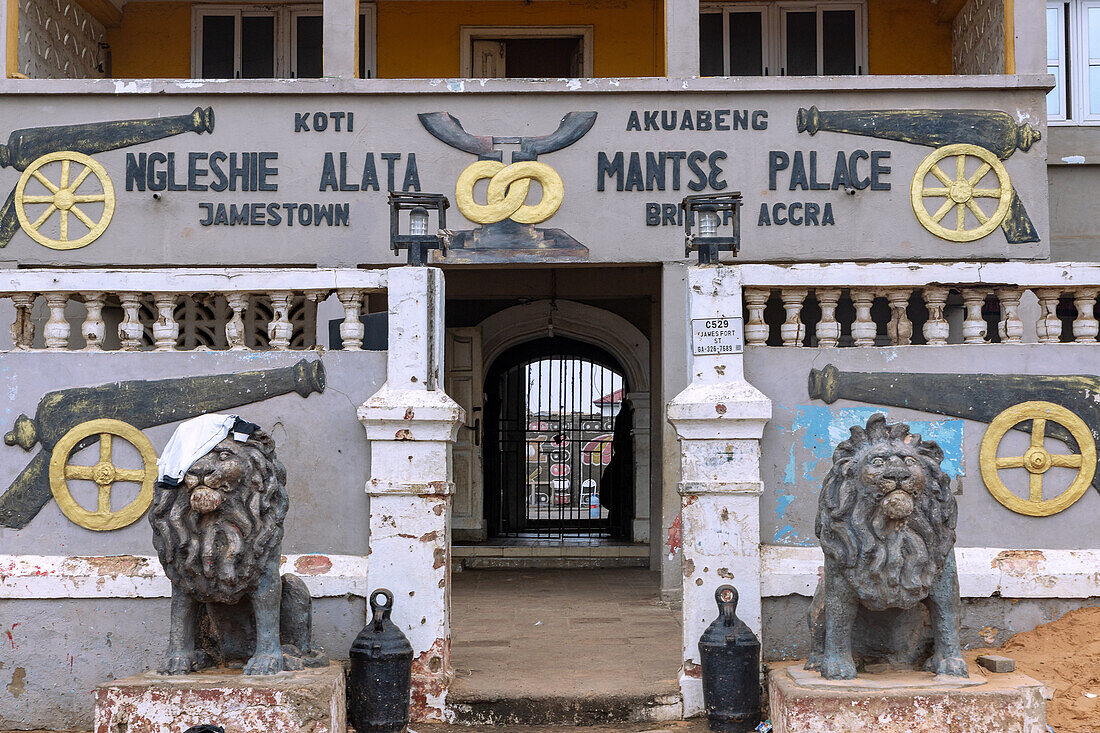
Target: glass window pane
<point>1054,50</point>
<point>801,44</point>
<point>217,46</point>
<point>710,45</point>
<point>1054,96</point>
<point>308,47</point>
<point>258,46</point>
<point>746,44</point>
<point>838,33</point>
<point>1094,90</point>
<point>364,72</point>
<point>1094,32</point>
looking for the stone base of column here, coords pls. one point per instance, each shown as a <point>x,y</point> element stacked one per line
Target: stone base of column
<point>306,701</point>
<point>904,702</point>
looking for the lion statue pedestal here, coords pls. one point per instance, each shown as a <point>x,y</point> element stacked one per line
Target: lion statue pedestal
<point>884,621</point>
<point>217,516</point>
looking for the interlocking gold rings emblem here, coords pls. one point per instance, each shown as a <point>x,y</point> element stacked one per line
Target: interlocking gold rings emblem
<point>506,195</point>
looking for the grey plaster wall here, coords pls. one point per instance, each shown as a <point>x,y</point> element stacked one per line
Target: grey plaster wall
<point>799,440</point>
<point>318,439</point>
<point>1074,216</point>
<point>56,651</point>
<point>985,621</point>
<point>157,227</point>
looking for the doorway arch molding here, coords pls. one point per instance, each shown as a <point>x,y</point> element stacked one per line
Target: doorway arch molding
<point>513,326</point>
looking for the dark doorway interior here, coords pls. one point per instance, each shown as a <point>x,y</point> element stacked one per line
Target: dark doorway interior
<point>541,57</point>
<point>558,449</point>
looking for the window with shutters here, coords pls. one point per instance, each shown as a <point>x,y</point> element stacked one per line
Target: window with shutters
<point>783,39</point>
<point>1073,58</point>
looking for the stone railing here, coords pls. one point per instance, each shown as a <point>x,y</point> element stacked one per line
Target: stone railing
<point>66,310</point>
<point>900,304</point>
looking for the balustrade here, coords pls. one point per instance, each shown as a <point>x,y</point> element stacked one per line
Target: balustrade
<point>151,306</point>
<point>921,304</point>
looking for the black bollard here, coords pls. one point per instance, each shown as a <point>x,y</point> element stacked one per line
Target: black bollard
<point>381,672</point>
<point>730,657</point>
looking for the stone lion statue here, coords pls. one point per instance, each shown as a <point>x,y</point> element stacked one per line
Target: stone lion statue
<point>890,591</point>
<point>218,534</point>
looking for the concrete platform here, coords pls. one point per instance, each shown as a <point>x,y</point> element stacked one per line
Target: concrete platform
<point>306,701</point>
<point>905,702</point>
<point>573,647</point>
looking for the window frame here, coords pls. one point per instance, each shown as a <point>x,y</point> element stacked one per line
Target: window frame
<point>469,33</point>
<point>1063,63</point>
<point>773,26</point>
<point>286,34</point>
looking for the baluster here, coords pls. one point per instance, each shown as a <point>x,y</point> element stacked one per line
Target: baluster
<point>793,330</point>
<point>130,330</point>
<point>165,329</point>
<point>57,327</point>
<point>93,329</point>
<point>864,329</point>
<point>22,328</point>
<point>279,330</point>
<point>974,326</point>
<point>756,329</point>
<point>352,329</point>
<point>234,328</point>
<point>900,328</point>
<point>1048,327</point>
<point>1085,326</point>
<point>935,328</point>
<point>828,328</point>
<point>1010,328</point>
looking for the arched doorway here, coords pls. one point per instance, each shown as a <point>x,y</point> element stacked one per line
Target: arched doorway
<point>559,456</point>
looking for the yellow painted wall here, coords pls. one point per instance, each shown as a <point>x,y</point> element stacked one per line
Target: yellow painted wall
<point>153,41</point>
<point>420,38</point>
<point>903,37</point>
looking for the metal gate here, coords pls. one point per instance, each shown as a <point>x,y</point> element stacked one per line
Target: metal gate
<point>561,461</point>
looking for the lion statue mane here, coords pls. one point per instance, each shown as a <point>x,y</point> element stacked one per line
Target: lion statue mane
<point>886,521</point>
<point>218,534</point>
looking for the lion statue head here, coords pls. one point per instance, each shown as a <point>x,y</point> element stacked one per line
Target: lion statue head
<point>886,516</point>
<point>218,530</point>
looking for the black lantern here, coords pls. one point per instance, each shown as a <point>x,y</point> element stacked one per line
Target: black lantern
<point>418,241</point>
<point>712,212</point>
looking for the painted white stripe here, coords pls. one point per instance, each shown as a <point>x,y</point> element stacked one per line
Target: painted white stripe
<point>141,576</point>
<point>983,572</point>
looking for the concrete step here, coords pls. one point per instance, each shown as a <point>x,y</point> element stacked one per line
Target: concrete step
<point>509,710</point>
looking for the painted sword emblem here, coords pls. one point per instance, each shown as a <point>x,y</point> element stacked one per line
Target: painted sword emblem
<point>64,199</point>
<point>508,232</point>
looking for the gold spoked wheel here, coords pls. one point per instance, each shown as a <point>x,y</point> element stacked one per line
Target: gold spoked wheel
<point>104,473</point>
<point>1037,460</point>
<point>65,200</point>
<point>960,193</point>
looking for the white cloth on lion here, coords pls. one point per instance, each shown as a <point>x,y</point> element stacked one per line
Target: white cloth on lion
<point>192,440</point>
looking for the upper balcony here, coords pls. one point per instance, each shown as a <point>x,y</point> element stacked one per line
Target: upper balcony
<point>432,39</point>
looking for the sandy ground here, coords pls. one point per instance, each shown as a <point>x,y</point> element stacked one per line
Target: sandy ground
<point>1064,654</point>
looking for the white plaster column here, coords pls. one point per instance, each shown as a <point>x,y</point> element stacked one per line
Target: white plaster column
<point>9,35</point>
<point>639,403</point>
<point>681,38</point>
<point>719,419</point>
<point>412,423</point>
<point>340,34</point>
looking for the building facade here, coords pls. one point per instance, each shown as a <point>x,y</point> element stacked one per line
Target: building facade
<point>202,190</point>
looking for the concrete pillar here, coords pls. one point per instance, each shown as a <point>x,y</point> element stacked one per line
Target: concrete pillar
<point>639,402</point>
<point>670,375</point>
<point>681,38</point>
<point>1025,37</point>
<point>412,423</point>
<point>9,38</point>
<point>719,419</point>
<point>340,33</point>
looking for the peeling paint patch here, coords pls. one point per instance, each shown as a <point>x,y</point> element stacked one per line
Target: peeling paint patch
<point>1074,159</point>
<point>17,684</point>
<point>689,567</point>
<point>1018,562</point>
<point>313,564</point>
<point>675,537</point>
<point>692,669</point>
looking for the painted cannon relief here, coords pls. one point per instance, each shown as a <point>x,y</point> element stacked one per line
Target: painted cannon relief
<point>1061,407</point>
<point>508,233</point>
<point>985,136</point>
<point>81,197</point>
<point>70,420</point>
